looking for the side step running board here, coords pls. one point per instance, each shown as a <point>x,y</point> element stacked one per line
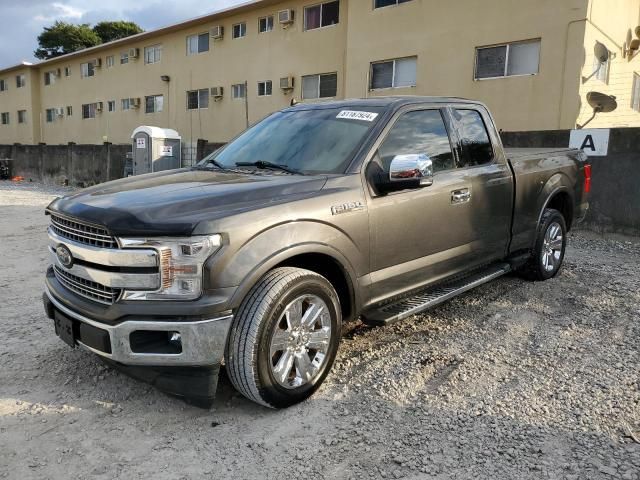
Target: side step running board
<point>425,299</point>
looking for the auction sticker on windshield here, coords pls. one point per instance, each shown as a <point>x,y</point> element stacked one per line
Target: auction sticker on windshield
<point>355,115</point>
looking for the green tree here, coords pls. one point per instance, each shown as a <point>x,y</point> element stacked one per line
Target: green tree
<point>109,31</point>
<point>62,38</point>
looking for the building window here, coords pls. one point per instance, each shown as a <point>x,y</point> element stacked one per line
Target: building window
<point>111,106</point>
<point>89,110</point>
<point>387,3</point>
<point>518,58</point>
<point>124,58</point>
<point>265,24</point>
<point>197,43</point>
<point>198,99</point>
<point>603,70</point>
<point>67,71</point>
<point>49,78</point>
<point>397,73</point>
<point>21,80</point>
<point>4,86</point>
<point>239,30</point>
<point>153,103</point>
<point>238,90</point>
<point>319,86</point>
<point>322,15</point>
<point>69,111</point>
<point>152,54</point>
<point>109,61</point>
<point>5,118</point>
<point>265,88</point>
<point>635,93</point>
<point>22,116</point>
<point>50,115</point>
<point>87,69</point>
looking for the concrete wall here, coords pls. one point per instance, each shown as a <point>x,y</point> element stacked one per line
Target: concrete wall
<point>615,195</point>
<point>77,164</point>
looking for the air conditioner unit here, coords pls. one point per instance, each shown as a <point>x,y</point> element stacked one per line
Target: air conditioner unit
<point>286,83</point>
<point>217,32</point>
<point>134,102</point>
<point>97,62</point>
<point>59,112</point>
<point>216,92</point>
<point>285,17</point>
<point>99,106</point>
<point>134,52</point>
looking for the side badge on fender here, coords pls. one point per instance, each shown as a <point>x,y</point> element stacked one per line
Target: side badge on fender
<point>347,207</point>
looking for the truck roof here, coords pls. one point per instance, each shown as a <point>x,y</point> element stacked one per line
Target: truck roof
<point>391,101</point>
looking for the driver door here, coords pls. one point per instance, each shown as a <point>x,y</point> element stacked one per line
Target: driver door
<point>419,235</point>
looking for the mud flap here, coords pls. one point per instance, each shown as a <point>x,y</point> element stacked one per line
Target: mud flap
<point>195,385</point>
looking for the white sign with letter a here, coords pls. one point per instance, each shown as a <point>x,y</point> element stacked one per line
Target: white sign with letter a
<point>592,141</point>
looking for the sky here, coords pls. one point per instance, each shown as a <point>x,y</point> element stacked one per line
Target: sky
<point>23,20</point>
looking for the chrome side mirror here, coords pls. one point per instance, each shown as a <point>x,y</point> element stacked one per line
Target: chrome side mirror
<point>411,168</point>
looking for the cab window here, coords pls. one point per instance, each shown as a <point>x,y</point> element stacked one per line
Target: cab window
<point>475,144</point>
<point>420,131</point>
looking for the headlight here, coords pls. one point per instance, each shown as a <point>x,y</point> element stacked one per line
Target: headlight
<point>180,265</point>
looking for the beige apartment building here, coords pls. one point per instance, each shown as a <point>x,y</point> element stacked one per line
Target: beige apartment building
<point>210,76</point>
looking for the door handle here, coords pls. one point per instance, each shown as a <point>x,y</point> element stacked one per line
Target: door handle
<point>460,196</point>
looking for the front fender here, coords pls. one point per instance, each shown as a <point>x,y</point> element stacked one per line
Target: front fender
<point>269,248</point>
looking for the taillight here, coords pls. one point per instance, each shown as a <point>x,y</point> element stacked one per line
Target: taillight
<point>587,178</point>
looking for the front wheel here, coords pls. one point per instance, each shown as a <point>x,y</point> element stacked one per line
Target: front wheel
<point>284,338</point>
<point>548,251</point>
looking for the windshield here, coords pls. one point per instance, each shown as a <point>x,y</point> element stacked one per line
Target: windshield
<point>307,141</point>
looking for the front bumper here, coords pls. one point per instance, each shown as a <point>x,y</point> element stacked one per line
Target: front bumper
<point>202,341</point>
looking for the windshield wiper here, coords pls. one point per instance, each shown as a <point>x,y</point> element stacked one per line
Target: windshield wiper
<point>273,166</point>
<point>210,162</point>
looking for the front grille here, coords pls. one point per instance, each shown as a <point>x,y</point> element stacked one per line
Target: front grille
<point>87,288</point>
<point>82,232</point>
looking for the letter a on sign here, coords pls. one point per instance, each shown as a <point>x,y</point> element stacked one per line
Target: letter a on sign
<point>593,141</point>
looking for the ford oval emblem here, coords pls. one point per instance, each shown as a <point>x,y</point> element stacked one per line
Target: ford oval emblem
<point>64,256</point>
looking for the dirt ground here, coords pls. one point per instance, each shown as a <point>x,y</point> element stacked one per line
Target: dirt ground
<point>514,380</point>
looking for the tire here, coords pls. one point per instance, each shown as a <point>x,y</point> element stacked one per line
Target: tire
<point>545,261</point>
<point>266,338</point>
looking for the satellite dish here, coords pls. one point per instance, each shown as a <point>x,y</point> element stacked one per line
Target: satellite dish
<point>601,52</point>
<point>637,31</point>
<point>601,103</point>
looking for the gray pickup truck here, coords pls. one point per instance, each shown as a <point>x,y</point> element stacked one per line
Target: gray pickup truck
<point>374,209</point>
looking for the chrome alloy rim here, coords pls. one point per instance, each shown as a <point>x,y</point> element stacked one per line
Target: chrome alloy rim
<point>552,247</point>
<point>300,341</point>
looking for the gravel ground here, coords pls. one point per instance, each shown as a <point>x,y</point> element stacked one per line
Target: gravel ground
<point>514,380</point>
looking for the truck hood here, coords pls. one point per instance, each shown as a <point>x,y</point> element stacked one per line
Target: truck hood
<point>174,202</point>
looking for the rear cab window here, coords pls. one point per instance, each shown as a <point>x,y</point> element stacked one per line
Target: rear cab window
<point>475,143</point>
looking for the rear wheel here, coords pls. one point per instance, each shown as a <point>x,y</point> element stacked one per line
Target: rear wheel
<point>284,338</point>
<point>548,252</point>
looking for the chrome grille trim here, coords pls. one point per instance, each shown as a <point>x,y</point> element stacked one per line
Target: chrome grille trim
<point>86,288</point>
<point>82,232</point>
